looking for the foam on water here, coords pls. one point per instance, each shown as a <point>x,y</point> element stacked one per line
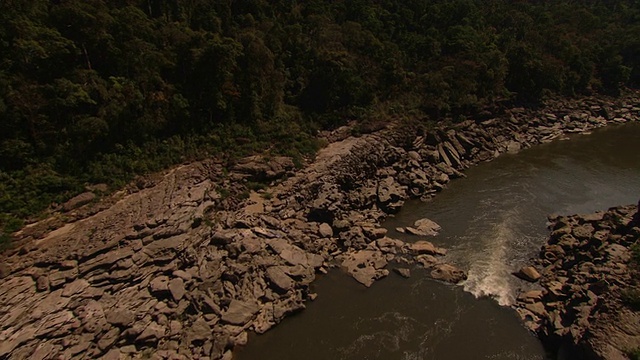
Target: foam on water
<point>490,269</point>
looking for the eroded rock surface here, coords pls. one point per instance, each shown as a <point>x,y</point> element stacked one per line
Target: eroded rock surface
<point>177,267</point>
<point>587,278</point>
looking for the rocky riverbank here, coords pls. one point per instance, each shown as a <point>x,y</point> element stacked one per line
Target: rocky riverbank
<point>177,266</point>
<point>588,307</point>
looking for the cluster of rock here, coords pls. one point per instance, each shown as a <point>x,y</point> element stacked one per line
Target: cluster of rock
<point>180,268</point>
<point>171,272</point>
<point>585,274</point>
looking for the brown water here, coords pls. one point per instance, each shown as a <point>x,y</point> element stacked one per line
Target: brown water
<point>493,222</point>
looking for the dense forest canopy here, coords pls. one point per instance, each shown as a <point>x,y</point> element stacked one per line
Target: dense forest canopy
<point>98,91</point>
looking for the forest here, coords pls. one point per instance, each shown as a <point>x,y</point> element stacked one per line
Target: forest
<point>98,91</point>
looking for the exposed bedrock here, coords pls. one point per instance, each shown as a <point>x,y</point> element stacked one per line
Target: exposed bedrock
<point>587,306</point>
<point>177,267</point>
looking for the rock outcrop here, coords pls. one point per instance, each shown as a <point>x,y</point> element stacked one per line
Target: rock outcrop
<point>177,266</point>
<point>589,282</point>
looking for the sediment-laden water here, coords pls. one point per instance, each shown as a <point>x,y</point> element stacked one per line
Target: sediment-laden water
<point>493,222</point>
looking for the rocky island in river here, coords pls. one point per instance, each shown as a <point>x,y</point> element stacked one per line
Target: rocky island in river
<point>588,307</point>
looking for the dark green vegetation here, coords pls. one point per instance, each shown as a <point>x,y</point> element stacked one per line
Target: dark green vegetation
<point>634,354</point>
<point>631,296</point>
<point>99,91</point>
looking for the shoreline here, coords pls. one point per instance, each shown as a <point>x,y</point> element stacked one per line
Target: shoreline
<point>179,268</point>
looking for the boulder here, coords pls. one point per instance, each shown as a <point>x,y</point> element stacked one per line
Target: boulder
<point>293,254</point>
<point>374,233</point>
<point>538,309</point>
<point>240,312</point>
<point>365,266</point>
<point>325,230</point>
<point>452,153</point>
<point>531,296</point>
<point>428,261</point>
<point>107,340</point>
<point>176,287</point>
<point>390,194</point>
<point>388,245</point>
<point>42,283</point>
<point>5,270</point>
<point>583,232</point>
<point>448,273</point>
<point>528,273</point>
<point>259,168</point>
<point>427,226</point>
<point>279,278</point>
<point>152,333</point>
<point>368,275</point>
<point>113,354</point>
<point>405,273</point>
<point>425,247</point>
<point>199,331</point>
<point>78,201</point>
<point>75,287</point>
<point>120,317</point>
<point>263,232</point>
<point>513,147</point>
<point>159,284</point>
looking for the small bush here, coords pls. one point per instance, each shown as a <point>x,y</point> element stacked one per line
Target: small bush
<point>631,297</point>
<point>635,254</point>
<point>224,193</point>
<point>634,354</point>
<point>244,195</point>
<point>255,186</point>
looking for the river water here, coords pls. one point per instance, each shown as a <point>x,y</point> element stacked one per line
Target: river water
<point>493,221</point>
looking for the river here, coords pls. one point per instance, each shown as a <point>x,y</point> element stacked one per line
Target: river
<point>493,221</point>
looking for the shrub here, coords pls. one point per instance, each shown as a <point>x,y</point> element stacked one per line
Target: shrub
<point>631,297</point>
<point>634,354</point>
<point>635,254</point>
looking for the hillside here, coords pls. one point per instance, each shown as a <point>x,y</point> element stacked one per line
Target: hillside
<point>101,91</point>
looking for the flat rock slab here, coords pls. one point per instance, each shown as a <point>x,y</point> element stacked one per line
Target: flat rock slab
<point>366,266</point>
<point>426,247</point>
<point>75,287</point>
<point>78,201</point>
<point>279,278</point>
<point>294,255</point>
<point>159,284</point>
<point>120,317</point>
<point>199,330</point>
<point>240,312</point>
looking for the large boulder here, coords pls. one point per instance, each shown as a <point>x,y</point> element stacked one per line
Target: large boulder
<point>78,201</point>
<point>365,266</point>
<point>390,195</point>
<point>425,247</point>
<point>427,226</point>
<point>240,312</point>
<point>448,273</point>
<point>259,168</point>
<point>528,273</point>
<point>279,278</point>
